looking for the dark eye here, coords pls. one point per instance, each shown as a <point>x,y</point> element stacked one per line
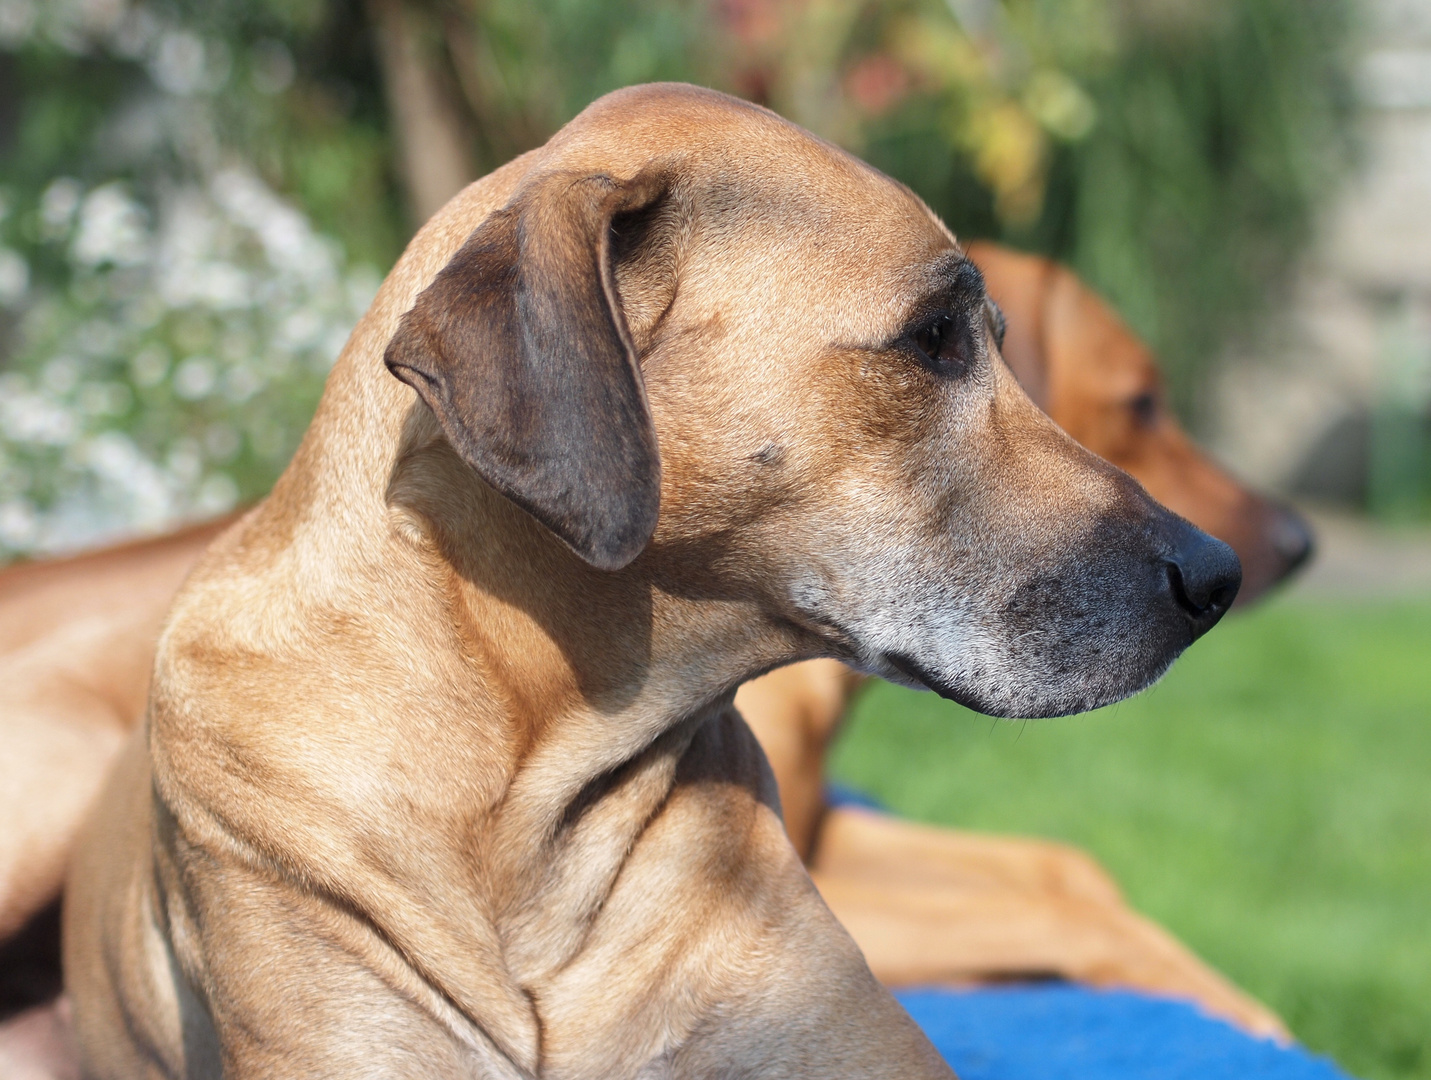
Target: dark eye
<point>1145,408</point>
<point>945,346</point>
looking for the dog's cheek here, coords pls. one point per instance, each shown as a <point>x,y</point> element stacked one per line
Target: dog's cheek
<point>878,398</point>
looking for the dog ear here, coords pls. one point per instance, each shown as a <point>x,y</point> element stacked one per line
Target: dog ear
<point>520,349</point>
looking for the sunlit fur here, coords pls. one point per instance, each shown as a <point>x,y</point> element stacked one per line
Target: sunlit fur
<point>423,792</point>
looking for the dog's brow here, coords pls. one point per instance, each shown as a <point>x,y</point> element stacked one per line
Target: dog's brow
<point>951,283</point>
<point>958,281</point>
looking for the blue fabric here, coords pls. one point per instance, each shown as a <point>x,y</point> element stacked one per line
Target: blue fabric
<point>840,795</point>
<point>1058,1031</point>
<point>1061,1031</point>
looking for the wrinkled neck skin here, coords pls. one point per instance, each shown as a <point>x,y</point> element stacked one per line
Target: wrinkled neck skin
<point>594,686</point>
<point>447,665</point>
<point>593,683</point>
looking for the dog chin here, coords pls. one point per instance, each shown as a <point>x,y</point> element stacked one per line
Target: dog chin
<point>1014,702</point>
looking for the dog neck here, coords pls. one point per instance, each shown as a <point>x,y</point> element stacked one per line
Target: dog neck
<point>541,735</point>
<point>548,722</point>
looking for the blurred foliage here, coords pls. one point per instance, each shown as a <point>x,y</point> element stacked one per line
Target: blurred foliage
<point>168,319</point>
<point>1173,151</point>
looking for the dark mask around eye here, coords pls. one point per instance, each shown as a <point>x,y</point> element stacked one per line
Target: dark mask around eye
<point>946,345</point>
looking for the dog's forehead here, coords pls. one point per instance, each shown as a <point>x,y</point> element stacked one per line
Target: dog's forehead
<point>799,222</point>
<point>729,143</point>
<point>804,223</point>
<point>826,239</point>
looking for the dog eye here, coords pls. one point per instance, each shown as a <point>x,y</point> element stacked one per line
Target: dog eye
<point>944,347</point>
<point>1145,408</point>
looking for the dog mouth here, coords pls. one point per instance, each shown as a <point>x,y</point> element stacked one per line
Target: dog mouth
<point>1014,705</point>
<point>916,672</point>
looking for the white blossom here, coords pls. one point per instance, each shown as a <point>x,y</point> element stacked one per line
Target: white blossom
<point>201,313</point>
<point>189,313</point>
<point>14,276</point>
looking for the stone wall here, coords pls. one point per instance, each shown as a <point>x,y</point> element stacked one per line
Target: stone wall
<point>1324,400</point>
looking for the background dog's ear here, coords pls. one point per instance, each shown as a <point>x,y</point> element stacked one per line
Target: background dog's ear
<point>1021,285</point>
<point>520,349</point>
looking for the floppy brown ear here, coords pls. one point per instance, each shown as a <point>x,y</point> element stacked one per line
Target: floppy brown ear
<point>520,349</point>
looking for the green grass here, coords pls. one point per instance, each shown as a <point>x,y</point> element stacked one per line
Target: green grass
<point>1269,801</point>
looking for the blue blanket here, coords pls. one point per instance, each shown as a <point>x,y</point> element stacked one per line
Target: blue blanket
<point>1053,1031</point>
<point>1058,1031</point>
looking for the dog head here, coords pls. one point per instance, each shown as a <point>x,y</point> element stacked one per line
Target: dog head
<point>1083,366</point>
<point>707,350</point>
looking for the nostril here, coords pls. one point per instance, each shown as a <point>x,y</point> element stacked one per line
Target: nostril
<point>1203,578</point>
<point>1221,598</point>
<point>1203,574</point>
<point>1179,586</point>
<point>1201,599</point>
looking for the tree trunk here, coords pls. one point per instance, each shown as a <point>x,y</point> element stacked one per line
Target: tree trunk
<point>434,150</point>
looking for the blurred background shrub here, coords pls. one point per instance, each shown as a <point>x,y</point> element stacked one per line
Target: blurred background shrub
<point>199,196</point>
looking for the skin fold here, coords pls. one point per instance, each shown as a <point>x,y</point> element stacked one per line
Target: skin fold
<point>910,886</point>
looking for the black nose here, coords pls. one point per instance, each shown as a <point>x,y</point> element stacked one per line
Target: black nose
<point>1204,576</point>
<point>1291,538</point>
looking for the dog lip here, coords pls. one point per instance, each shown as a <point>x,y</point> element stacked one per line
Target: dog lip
<point>915,671</point>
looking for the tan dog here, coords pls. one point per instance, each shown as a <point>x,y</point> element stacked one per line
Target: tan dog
<point>441,773</point>
<point>934,905</point>
<point>76,634</point>
<point>77,652</point>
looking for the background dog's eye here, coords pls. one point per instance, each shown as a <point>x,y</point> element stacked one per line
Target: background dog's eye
<point>944,346</point>
<point>1145,408</point>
